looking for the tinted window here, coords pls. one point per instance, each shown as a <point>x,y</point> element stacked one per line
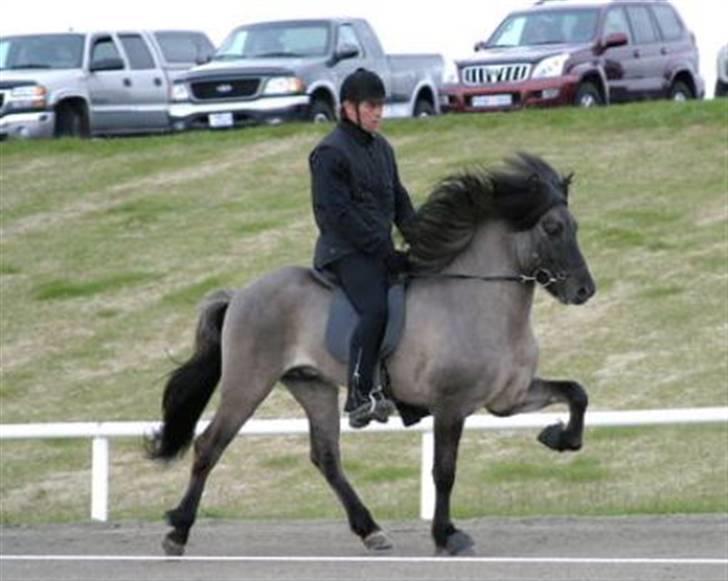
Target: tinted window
<point>669,23</point>
<point>546,27</point>
<point>136,50</point>
<point>276,40</point>
<point>104,48</point>
<point>644,31</point>
<point>615,22</point>
<point>184,47</point>
<point>44,51</point>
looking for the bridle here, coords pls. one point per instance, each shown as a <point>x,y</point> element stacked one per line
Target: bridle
<point>541,276</point>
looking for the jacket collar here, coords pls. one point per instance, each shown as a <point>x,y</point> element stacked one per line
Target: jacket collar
<point>360,135</point>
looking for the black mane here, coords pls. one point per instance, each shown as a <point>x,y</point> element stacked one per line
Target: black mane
<point>519,193</point>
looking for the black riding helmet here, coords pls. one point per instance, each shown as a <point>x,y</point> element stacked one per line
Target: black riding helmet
<point>362,85</point>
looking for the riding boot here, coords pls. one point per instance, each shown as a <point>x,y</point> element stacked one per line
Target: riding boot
<point>364,404</point>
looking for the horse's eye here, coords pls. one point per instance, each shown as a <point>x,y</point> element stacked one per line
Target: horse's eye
<point>552,227</point>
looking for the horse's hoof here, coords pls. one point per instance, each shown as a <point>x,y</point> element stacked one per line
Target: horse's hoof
<point>377,541</point>
<point>172,548</point>
<point>559,439</point>
<point>459,544</point>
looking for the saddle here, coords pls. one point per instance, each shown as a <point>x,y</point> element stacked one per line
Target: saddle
<point>342,321</point>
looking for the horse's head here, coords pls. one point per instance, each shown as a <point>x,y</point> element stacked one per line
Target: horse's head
<point>547,242</point>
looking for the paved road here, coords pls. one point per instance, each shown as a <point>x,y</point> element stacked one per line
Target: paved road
<point>584,549</point>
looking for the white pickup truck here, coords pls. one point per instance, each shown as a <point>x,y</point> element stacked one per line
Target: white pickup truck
<point>270,72</point>
<point>82,84</point>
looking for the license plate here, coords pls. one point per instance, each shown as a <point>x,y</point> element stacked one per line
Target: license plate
<point>221,119</point>
<point>505,100</point>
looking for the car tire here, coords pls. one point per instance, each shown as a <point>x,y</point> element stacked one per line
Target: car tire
<point>721,88</point>
<point>679,91</point>
<point>588,95</point>
<point>70,122</point>
<point>423,108</point>
<point>321,112</point>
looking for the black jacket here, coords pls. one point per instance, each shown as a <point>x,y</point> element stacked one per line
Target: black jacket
<point>356,194</point>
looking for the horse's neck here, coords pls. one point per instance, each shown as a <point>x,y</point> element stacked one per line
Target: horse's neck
<point>492,252</point>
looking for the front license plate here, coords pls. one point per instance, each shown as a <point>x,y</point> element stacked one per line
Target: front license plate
<point>220,120</point>
<point>505,100</point>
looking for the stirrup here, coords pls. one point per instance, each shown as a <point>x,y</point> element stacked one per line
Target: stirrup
<point>378,407</point>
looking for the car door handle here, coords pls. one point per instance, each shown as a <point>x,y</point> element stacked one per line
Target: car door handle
<point>664,50</point>
<point>157,81</point>
<point>636,53</point>
<point>127,82</point>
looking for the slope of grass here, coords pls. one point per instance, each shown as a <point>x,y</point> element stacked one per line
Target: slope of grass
<point>107,245</point>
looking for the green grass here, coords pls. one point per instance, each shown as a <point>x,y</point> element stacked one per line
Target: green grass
<point>106,246</point>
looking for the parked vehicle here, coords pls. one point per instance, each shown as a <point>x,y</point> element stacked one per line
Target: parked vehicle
<point>721,83</point>
<point>292,70</point>
<point>585,54</point>
<point>81,84</point>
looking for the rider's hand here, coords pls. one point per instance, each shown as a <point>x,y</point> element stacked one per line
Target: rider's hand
<point>397,262</point>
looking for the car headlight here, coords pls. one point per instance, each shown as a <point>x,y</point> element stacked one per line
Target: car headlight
<point>552,66</point>
<point>283,85</point>
<point>450,73</point>
<point>179,92</point>
<point>28,97</point>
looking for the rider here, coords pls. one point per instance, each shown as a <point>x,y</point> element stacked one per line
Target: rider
<point>357,197</point>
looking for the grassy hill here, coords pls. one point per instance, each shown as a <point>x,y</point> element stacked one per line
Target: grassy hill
<point>106,246</point>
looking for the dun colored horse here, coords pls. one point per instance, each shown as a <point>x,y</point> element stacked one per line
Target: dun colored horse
<point>482,243</point>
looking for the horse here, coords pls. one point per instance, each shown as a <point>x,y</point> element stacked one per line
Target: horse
<point>481,244</point>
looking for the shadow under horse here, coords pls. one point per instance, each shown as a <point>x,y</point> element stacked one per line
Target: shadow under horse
<point>481,244</point>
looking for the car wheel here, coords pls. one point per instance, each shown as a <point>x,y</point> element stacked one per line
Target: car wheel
<point>70,122</point>
<point>423,108</point>
<point>680,92</point>
<point>588,95</point>
<point>721,88</point>
<point>321,112</point>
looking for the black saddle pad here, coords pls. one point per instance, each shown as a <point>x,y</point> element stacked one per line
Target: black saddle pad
<point>343,319</point>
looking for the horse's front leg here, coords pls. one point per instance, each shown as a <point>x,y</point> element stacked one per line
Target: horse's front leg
<point>544,392</point>
<point>448,539</point>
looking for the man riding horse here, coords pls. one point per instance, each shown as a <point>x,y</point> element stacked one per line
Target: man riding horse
<point>357,197</point>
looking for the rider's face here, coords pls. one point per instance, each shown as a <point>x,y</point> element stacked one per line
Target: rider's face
<point>369,115</point>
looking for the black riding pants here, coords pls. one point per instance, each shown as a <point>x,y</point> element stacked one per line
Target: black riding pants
<point>366,283</point>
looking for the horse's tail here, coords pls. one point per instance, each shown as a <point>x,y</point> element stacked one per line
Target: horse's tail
<point>190,386</point>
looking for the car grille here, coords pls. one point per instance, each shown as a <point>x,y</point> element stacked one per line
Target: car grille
<point>225,89</point>
<point>489,74</point>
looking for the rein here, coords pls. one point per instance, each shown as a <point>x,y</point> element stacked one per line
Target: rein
<point>541,276</point>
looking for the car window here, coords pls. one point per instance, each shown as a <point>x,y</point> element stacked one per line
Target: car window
<point>546,27</point>
<point>104,48</point>
<point>184,47</point>
<point>347,36</point>
<point>644,30</point>
<point>43,51</point>
<point>276,40</point>
<point>668,22</point>
<point>615,22</point>
<point>136,50</point>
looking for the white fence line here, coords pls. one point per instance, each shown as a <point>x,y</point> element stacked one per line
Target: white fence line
<point>101,432</point>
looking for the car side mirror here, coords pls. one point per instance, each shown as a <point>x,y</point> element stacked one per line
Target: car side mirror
<point>107,64</point>
<point>346,51</point>
<point>480,45</point>
<point>615,39</point>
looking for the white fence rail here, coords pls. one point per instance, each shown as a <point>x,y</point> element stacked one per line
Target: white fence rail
<point>102,432</point>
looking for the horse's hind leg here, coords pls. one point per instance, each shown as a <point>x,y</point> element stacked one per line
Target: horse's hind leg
<point>542,393</point>
<point>320,401</point>
<point>236,406</point>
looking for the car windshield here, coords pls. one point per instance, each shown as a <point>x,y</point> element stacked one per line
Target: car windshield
<point>184,47</point>
<point>276,40</point>
<point>44,51</point>
<point>546,27</point>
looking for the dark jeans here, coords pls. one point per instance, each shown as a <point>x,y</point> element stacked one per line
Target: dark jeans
<point>365,281</point>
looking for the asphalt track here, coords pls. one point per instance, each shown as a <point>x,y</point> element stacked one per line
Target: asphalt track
<point>685,548</point>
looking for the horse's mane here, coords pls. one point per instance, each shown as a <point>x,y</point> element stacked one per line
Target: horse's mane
<point>520,192</point>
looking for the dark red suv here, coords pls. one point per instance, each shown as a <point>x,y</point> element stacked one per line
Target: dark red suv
<point>582,53</point>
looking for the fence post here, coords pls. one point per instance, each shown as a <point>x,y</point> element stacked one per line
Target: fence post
<point>427,486</point>
<point>100,479</point>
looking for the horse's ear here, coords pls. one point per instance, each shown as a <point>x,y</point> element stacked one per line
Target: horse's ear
<point>566,182</point>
